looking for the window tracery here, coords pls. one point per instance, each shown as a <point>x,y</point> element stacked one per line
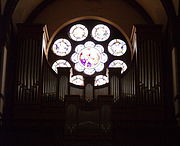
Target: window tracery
<point>89,58</point>
<point>89,50</point>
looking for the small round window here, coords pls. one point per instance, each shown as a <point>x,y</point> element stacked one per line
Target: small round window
<point>117,47</point>
<point>61,47</point>
<point>78,32</point>
<point>100,32</point>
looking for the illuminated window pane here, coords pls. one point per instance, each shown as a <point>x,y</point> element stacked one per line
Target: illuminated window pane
<point>89,44</point>
<point>100,48</point>
<point>89,58</point>
<point>60,63</point>
<point>89,71</point>
<point>78,67</point>
<point>118,64</point>
<point>77,80</point>
<point>74,58</point>
<point>101,80</point>
<point>117,47</point>
<point>104,57</point>
<point>61,47</point>
<point>100,67</point>
<point>78,32</point>
<point>100,32</point>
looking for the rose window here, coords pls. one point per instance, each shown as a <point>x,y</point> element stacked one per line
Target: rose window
<point>89,48</point>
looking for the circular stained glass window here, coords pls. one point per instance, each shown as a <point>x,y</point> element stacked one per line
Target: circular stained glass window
<point>60,63</point>
<point>78,32</point>
<point>100,32</point>
<point>89,58</point>
<point>61,47</point>
<point>88,44</point>
<point>117,47</point>
<point>118,64</point>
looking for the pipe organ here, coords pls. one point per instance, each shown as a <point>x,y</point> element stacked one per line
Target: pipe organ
<point>140,84</point>
<point>128,86</point>
<point>29,64</point>
<point>63,82</point>
<point>50,84</point>
<point>148,67</point>
<point>137,91</point>
<point>115,75</point>
<point>129,102</point>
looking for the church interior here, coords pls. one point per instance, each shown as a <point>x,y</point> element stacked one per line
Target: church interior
<point>89,73</point>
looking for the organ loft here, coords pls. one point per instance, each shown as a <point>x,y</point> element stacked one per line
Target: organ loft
<point>89,73</point>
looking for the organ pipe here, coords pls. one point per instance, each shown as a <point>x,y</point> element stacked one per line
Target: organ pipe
<point>148,63</point>
<point>29,60</point>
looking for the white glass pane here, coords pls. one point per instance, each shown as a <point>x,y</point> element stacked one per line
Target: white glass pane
<point>100,80</point>
<point>100,48</point>
<point>89,57</point>
<point>77,80</point>
<point>89,71</point>
<point>104,57</point>
<point>89,44</point>
<point>118,64</point>
<point>78,67</point>
<point>117,47</point>
<point>74,58</point>
<point>60,63</point>
<point>100,67</point>
<point>61,47</point>
<point>78,32</point>
<point>100,32</point>
<point>79,48</point>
